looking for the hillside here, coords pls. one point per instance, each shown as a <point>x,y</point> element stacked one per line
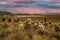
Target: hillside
<point>5,13</point>
<point>30,28</point>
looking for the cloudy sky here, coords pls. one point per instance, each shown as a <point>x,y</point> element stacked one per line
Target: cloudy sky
<point>30,6</point>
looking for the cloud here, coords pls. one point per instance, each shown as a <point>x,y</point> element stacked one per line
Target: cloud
<point>34,11</point>
<point>55,0</point>
<point>3,3</point>
<point>17,0</point>
<point>53,11</point>
<point>6,4</point>
<point>56,4</point>
<point>27,11</point>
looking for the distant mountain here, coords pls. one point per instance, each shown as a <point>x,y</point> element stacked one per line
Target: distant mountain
<point>5,13</point>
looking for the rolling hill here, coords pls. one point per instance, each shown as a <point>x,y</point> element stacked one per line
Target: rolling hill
<point>5,13</point>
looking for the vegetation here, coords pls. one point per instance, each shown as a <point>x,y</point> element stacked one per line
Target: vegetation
<point>29,28</point>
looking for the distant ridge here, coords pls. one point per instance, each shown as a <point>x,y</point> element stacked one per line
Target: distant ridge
<point>5,13</point>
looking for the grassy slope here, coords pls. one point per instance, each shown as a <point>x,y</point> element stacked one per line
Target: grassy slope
<point>30,28</point>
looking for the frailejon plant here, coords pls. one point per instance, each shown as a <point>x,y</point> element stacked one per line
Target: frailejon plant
<point>29,28</point>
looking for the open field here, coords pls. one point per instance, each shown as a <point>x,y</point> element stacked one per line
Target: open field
<point>14,27</point>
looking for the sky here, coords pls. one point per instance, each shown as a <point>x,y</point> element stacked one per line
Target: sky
<point>30,6</point>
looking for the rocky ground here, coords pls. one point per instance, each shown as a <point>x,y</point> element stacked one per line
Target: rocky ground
<point>29,28</point>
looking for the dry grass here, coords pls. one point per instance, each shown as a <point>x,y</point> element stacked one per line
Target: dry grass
<point>29,28</point>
